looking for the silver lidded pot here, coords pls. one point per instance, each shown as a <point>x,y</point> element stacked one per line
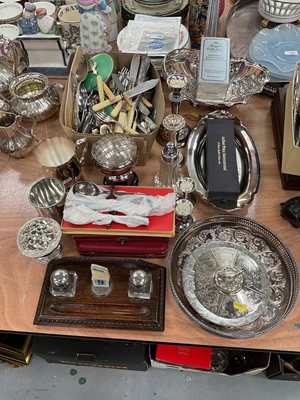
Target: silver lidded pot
<point>115,154</point>
<point>39,238</point>
<point>33,97</point>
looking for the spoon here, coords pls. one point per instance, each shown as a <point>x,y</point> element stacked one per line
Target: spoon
<point>81,71</point>
<point>86,188</point>
<point>80,75</point>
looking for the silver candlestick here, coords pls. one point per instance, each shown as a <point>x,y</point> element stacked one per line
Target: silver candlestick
<point>172,126</point>
<point>176,82</point>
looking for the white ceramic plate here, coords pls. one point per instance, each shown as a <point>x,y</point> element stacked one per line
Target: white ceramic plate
<point>9,31</point>
<point>10,12</point>
<point>277,49</point>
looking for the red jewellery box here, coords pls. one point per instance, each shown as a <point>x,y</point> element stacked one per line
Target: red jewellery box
<point>122,246</point>
<point>119,240</point>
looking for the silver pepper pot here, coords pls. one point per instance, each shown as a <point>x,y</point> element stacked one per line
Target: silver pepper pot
<point>168,173</point>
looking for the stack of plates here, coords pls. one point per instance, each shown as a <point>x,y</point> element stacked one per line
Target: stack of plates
<point>156,8</point>
<point>153,2</point>
<point>9,31</point>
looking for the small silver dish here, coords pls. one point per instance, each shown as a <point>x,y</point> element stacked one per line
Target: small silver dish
<point>245,78</point>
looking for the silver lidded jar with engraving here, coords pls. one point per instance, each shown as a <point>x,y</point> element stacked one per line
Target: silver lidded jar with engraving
<point>39,238</point>
<point>115,154</point>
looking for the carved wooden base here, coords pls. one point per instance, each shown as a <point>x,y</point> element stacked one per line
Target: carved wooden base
<point>116,310</point>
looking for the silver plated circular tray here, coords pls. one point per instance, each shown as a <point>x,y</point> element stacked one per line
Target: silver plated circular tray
<point>245,78</point>
<point>226,284</point>
<point>275,280</point>
<point>246,155</point>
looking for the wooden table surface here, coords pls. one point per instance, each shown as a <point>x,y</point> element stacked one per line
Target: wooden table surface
<point>21,278</point>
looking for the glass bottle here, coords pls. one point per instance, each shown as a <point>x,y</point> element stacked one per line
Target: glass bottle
<point>168,173</point>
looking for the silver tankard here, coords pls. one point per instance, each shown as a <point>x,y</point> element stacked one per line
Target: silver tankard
<point>58,157</point>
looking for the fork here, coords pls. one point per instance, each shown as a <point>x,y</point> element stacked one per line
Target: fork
<point>107,118</point>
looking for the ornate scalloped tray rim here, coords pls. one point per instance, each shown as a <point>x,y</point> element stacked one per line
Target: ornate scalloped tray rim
<point>250,234</point>
<point>242,73</point>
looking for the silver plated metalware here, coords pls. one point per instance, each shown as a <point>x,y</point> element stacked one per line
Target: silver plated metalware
<point>40,238</point>
<point>271,273</point>
<point>245,78</point>
<point>226,284</point>
<point>33,97</point>
<point>247,159</point>
<point>115,154</point>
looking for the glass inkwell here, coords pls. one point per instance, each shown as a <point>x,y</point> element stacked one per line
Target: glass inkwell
<point>63,283</point>
<point>140,284</point>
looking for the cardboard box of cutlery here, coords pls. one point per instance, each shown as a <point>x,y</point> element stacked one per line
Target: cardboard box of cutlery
<point>144,141</point>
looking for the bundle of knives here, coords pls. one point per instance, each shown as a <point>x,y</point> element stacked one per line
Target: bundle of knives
<point>122,104</point>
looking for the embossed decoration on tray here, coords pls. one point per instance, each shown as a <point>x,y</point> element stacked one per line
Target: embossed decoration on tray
<point>261,245</point>
<point>245,78</point>
<point>226,284</point>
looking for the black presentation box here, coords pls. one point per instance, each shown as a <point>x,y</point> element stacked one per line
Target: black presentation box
<point>96,353</point>
<point>222,174</point>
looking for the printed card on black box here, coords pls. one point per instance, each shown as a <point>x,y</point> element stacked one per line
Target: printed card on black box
<point>223,187</point>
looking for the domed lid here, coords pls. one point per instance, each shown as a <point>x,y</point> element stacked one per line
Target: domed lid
<point>38,237</point>
<point>114,151</point>
<point>169,152</point>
